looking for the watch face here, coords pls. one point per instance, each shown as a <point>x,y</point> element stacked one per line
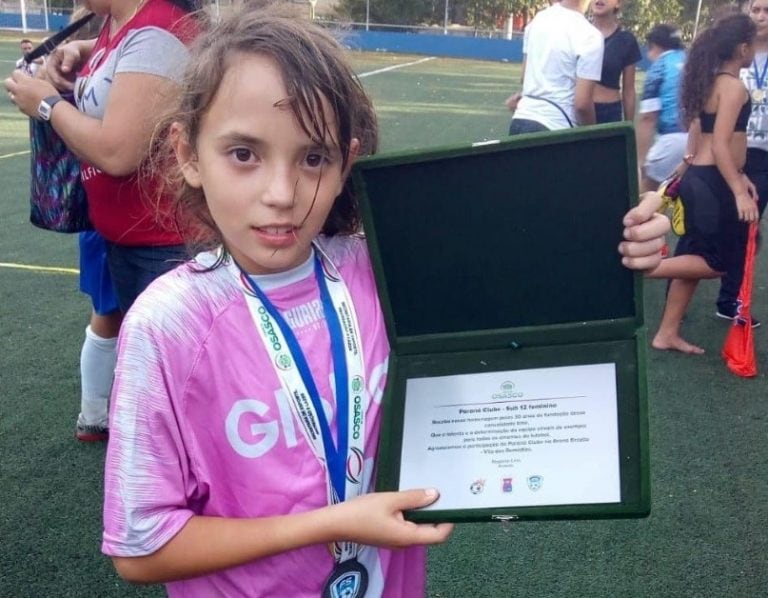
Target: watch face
<point>46,105</point>
<point>44,110</point>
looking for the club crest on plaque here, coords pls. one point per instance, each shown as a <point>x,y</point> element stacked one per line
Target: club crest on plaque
<point>477,486</point>
<point>535,482</point>
<point>506,485</point>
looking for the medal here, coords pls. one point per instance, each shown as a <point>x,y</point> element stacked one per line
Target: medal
<point>758,94</point>
<point>342,458</point>
<point>348,580</point>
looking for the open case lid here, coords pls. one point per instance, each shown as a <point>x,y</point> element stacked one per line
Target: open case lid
<point>511,242</point>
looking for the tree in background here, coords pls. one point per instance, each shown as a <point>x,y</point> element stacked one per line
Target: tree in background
<point>637,15</point>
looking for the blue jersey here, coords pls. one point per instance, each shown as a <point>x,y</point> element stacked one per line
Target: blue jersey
<point>661,91</point>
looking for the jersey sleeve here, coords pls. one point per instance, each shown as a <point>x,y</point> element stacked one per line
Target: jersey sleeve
<point>152,51</point>
<point>634,55</point>
<point>147,478</point>
<point>651,99</point>
<point>589,64</point>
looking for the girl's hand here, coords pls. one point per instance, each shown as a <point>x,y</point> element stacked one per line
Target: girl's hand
<point>751,189</point>
<point>746,206</point>
<point>27,92</point>
<point>512,101</point>
<point>376,519</point>
<point>644,231</point>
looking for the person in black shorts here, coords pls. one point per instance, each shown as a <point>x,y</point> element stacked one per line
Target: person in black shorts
<point>719,199</point>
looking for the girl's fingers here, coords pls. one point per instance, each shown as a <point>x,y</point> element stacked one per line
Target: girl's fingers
<point>432,534</point>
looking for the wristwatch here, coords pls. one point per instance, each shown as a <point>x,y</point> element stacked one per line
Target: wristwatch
<point>46,106</point>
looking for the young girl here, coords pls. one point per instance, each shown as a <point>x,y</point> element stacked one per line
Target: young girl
<point>234,466</point>
<point>719,199</point>
<point>755,77</point>
<point>615,94</point>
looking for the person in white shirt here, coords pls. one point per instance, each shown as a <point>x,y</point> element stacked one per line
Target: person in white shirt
<point>563,58</point>
<point>26,47</point>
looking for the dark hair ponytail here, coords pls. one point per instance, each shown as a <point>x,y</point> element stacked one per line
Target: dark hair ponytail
<point>710,49</point>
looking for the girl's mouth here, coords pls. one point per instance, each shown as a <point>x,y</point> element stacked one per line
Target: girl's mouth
<point>277,236</point>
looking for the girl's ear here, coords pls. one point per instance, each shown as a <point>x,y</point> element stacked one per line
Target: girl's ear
<point>185,155</point>
<point>354,152</point>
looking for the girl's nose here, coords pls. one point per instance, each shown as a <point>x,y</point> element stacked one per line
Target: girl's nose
<point>281,187</point>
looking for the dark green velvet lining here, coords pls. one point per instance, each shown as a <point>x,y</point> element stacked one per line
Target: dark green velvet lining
<point>504,257</point>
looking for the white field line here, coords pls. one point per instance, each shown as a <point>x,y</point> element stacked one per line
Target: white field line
<point>14,154</point>
<point>396,66</point>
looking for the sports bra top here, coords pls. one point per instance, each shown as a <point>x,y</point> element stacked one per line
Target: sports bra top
<point>707,119</point>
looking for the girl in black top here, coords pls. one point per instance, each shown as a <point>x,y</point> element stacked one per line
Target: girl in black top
<point>614,96</point>
<point>755,77</point>
<point>718,197</point>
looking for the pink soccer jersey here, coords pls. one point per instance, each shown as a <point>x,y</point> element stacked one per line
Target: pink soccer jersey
<point>199,423</point>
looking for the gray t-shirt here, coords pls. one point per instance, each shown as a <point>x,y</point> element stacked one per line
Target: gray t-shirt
<point>149,50</point>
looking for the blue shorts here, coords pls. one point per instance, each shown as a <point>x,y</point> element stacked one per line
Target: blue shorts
<point>133,268</point>
<point>95,280</point>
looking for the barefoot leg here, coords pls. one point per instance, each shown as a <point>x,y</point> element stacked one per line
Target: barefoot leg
<point>668,336</point>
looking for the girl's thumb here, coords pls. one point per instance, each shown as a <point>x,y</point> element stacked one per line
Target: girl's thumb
<point>415,499</point>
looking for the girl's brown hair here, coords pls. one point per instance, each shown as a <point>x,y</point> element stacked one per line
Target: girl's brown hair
<point>314,70</point>
<point>710,49</point>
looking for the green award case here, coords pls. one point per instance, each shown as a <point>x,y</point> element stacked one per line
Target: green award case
<point>501,257</point>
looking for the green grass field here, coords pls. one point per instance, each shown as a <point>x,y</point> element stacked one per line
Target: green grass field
<point>706,534</point>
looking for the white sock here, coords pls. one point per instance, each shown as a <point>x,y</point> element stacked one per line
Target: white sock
<point>97,369</point>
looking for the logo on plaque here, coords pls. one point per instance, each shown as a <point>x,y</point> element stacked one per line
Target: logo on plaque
<point>506,485</point>
<point>477,486</point>
<point>507,391</point>
<point>535,482</point>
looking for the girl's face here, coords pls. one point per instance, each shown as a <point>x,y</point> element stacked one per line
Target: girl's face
<point>654,52</point>
<point>758,11</point>
<point>605,7</point>
<point>269,187</point>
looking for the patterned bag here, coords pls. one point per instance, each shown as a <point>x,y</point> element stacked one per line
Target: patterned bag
<point>57,197</point>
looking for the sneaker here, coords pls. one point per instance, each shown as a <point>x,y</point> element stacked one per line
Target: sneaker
<point>728,315</point>
<point>90,433</point>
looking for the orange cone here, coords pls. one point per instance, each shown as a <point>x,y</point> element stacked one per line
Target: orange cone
<point>739,347</point>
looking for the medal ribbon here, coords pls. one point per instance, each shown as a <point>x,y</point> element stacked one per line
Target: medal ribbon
<point>297,381</point>
<point>760,78</point>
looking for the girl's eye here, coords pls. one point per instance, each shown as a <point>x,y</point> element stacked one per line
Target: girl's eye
<point>315,160</point>
<point>242,154</point>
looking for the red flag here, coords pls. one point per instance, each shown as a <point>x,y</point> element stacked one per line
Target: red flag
<point>739,346</point>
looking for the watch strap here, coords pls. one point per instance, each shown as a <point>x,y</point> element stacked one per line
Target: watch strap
<point>46,106</point>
